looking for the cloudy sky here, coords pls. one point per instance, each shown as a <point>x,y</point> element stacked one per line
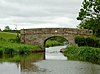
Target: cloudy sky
<point>39,13</point>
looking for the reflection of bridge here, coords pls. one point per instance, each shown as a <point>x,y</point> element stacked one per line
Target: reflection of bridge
<point>40,35</point>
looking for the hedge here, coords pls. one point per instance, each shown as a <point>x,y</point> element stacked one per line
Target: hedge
<point>87,41</point>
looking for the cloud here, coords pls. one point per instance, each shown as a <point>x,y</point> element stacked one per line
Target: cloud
<point>62,13</point>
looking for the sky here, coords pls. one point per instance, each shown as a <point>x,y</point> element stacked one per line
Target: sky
<point>39,13</point>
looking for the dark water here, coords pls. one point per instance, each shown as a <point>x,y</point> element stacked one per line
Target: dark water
<point>55,63</point>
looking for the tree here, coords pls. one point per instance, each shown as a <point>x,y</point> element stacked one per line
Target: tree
<point>90,16</point>
<point>7,29</point>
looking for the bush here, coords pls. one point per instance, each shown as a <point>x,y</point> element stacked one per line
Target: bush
<point>80,40</point>
<point>87,41</point>
<point>16,40</point>
<point>98,44</point>
<point>12,40</point>
<point>1,53</point>
<point>83,53</point>
<point>24,51</point>
<point>9,51</point>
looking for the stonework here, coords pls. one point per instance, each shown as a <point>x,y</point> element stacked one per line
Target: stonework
<point>40,35</point>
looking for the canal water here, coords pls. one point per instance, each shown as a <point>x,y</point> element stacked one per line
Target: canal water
<point>54,63</point>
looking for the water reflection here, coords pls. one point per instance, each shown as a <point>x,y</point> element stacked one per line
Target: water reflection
<point>19,63</point>
<point>55,63</point>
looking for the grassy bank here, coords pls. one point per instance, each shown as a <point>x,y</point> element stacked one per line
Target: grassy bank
<point>55,41</point>
<point>16,48</point>
<point>8,45</point>
<point>50,43</point>
<point>89,54</point>
<point>6,36</point>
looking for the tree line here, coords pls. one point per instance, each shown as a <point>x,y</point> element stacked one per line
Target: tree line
<point>8,29</point>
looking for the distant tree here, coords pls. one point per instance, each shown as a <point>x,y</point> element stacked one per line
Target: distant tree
<point>7,29</point>
<point>90,16</point>
<point>0,29</point>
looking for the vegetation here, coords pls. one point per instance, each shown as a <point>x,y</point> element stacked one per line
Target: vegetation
<point>87,41</point>
<point>84,53</point>
<point>16,48</point>
<point>7,36</point>
<point>55,41</point>
<point>7,28</point>
<point>89,47</point>
<point>50,43</point>
<point>90,16</point>
<point>9,45</point>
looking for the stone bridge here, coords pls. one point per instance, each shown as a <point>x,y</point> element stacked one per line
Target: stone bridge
<point>40,35</point>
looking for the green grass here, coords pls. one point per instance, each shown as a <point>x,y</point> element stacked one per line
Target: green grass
<point>55,41</point>
<point>50,43</point>
<point>7,35</point>
<point>9,47</point>
<point>18,46</point>
<point>89,54</point>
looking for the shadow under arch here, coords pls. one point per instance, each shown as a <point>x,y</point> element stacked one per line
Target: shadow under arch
<point>65,40</point>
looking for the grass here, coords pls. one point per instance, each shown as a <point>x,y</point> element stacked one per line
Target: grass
<point>7,35</point>
<point>55,41</point>
<point>9,47</point>
<point>84,53</point>
<point>17,48</point>
<point>50,43</point>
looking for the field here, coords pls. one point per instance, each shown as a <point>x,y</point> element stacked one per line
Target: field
<point>7,35</point>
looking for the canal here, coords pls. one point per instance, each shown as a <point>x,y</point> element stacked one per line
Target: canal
<point>54,63</point>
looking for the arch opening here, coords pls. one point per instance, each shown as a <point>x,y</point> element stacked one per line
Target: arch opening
<point>55,41</point>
